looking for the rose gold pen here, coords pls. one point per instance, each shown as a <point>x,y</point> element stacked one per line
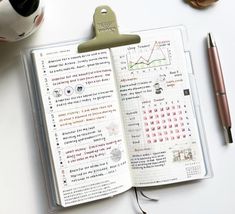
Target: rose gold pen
<point>219,88</point>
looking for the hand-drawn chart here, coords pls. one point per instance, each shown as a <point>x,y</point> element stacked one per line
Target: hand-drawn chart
<point>155,54</point>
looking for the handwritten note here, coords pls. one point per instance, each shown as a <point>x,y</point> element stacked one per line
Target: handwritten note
<point>84,123</point>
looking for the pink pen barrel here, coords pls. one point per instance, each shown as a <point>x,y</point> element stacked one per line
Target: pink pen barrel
<point>219,88</point>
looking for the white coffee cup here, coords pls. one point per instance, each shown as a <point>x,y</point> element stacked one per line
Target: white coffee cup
<point>19,18</point>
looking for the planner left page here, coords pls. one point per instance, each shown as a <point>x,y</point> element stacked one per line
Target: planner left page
<point>84,131</point>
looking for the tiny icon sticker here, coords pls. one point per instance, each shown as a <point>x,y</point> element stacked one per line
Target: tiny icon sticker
<point>68,91</point>
<point>186,92</point>
<point>79,89</point>
<point>57,92</point>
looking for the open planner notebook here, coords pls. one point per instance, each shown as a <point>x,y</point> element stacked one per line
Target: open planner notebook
<point>116,118</point>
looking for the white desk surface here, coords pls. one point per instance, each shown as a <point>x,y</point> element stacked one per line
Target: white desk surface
<point>21,180</point>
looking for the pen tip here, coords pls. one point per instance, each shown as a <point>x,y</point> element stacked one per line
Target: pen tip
<point>210,41</point>
<point>228,135</point>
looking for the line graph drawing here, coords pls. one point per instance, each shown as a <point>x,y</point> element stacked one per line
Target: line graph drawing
<point>150,55</point>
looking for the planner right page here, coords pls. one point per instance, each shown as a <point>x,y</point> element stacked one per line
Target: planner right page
<point>156,99</point>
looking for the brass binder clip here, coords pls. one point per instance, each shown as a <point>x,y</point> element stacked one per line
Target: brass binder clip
<point>106,32</point>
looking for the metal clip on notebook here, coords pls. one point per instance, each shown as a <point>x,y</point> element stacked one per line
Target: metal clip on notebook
<point>106,32</point>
